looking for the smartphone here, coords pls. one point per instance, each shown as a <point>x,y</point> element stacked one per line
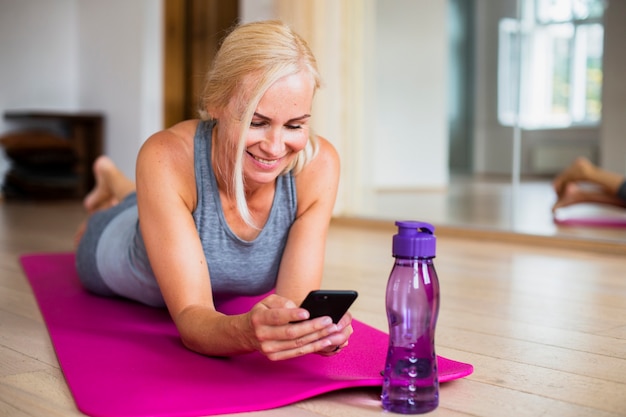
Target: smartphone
<point>333,303</point>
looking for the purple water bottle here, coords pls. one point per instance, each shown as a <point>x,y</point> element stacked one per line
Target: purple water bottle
<point>411,379</point>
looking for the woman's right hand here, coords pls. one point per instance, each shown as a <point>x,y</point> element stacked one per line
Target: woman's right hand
<point>281,330</point>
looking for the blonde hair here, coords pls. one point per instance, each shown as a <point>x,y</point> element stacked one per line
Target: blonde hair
<point>255,55</point>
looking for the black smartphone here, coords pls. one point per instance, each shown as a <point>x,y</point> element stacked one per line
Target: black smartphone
<point>333,303</point>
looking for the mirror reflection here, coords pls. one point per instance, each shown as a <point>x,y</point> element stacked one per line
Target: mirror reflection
<point>532,85</point>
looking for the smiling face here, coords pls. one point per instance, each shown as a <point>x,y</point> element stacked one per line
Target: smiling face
<point>279,128</point>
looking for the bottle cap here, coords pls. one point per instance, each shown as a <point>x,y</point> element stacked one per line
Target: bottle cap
<point>414,240</point>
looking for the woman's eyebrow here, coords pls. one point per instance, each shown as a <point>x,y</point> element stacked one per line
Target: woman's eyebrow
<point>295,119</point>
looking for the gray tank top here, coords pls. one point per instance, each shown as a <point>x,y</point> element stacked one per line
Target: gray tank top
<point>237,266</point>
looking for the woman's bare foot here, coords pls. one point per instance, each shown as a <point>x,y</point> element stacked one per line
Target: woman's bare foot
<point>571,194</point>
<point>601,185</point>
<point>111,186</point>
<point>575,194</point>
<point>580,170</point>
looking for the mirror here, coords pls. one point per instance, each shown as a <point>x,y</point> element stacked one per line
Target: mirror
<point>516,114</point>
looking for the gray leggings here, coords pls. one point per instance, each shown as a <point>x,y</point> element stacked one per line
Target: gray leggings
<point>111,259</point>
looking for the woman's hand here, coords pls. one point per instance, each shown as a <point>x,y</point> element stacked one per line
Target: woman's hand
<point>280,330</point>
<point>341,337</point>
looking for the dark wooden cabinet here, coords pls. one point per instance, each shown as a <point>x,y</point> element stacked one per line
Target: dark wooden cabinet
<point>84,131</point>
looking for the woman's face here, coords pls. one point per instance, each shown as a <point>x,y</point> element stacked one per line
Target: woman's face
<point>279,128</point>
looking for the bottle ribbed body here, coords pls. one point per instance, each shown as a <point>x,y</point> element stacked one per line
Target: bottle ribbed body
<point>410,380</point>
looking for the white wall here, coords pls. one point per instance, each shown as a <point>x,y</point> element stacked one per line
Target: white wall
<point>120,66</point>
<point>492,142</point>
<point>613,131</point>
<point>253,10</point>
<point>85,55</point>
<point>38,51</point>
<point>410,113</point>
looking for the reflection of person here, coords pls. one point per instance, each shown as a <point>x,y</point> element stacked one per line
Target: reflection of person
<point>237,203</point>
<point>610,188</point>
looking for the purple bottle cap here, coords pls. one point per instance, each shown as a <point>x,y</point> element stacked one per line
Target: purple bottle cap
<point>414,240</point>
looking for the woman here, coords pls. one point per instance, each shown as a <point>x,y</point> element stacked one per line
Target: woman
<point>237,203</point>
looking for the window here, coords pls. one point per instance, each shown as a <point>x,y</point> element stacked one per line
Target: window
<point>554,51</point>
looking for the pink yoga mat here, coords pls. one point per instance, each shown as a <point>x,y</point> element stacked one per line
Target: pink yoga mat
<point>123,359</point>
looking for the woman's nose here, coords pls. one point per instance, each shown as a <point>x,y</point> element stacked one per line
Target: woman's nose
<point>273,142</point>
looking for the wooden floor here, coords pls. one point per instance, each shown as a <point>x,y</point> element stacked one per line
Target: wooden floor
<point>543,324</point>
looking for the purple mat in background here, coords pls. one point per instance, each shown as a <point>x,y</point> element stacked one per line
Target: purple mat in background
<point>609,223</point>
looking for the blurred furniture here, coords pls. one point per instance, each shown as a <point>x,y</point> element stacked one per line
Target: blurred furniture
<point>47,164</point>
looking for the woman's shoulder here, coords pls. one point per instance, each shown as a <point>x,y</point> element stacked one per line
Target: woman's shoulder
<point>184,130</point>
<point>167,157</point>
<point>175,139</point>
